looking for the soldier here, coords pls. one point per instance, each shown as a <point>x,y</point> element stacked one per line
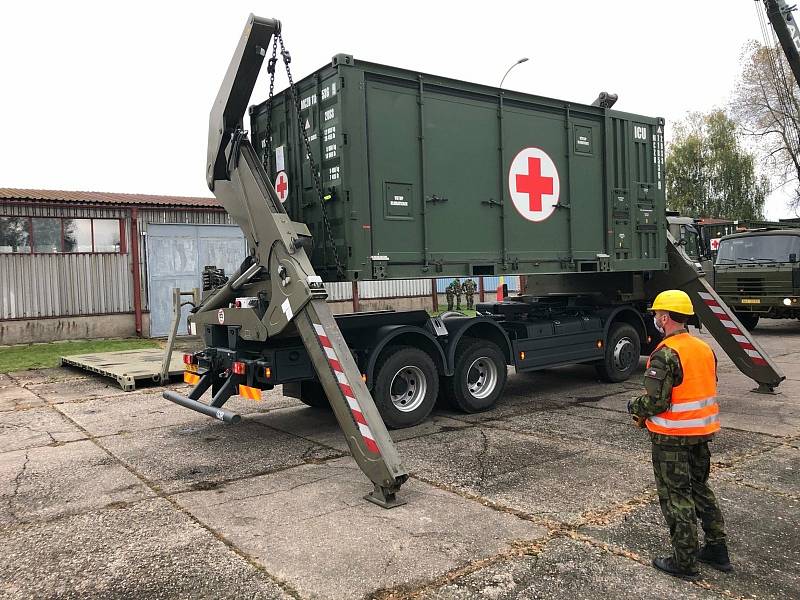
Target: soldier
<point>453,290</point>
<point>680,411</point>
<point>469,292</point>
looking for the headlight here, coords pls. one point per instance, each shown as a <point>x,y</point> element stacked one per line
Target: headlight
<point>787,301</point>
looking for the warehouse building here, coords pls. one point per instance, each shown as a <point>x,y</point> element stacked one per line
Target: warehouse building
<point>90,264</point>
<point>67,265</point>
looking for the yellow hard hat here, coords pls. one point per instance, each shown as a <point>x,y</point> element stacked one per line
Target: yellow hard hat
<point>674,301</point>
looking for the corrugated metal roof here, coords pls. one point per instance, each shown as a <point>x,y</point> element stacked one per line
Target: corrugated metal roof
<point>105,198</point>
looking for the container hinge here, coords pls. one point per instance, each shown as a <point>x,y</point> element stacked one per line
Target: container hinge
<point>491,202</point>
<point>380,265</point>
<point>434,198</point>
<point>604,261</point>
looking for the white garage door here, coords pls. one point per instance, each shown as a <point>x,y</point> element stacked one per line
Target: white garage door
<point>176,255</point>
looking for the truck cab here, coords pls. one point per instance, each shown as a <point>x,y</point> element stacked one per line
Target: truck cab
<point>757,274</point>
<point>684,230</point>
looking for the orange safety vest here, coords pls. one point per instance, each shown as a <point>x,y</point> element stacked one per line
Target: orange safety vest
<point>694,409</point>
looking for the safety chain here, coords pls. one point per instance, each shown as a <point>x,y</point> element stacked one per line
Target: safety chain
<point>314,172</point>
<point>271,70</point>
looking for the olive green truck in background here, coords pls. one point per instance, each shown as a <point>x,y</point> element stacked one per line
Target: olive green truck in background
<point>757,274</point>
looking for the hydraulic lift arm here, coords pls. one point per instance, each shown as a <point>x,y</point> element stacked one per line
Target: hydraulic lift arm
<point>736,341</point>
<point>787,30</point>
<point>279,269</point>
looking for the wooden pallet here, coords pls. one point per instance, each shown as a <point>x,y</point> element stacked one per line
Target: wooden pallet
<point>127,366</point>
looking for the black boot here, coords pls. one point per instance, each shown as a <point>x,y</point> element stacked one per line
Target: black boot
<point>716,555</point>
<point>667,564</point>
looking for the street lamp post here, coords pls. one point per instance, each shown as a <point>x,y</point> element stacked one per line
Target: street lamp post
<point>519,62</point>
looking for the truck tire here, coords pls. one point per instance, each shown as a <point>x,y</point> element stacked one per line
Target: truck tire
<point>748,320</point>
<point>479,376</point>
<point>312,394</point>
<point>406,386</point>
<point>623,348</point>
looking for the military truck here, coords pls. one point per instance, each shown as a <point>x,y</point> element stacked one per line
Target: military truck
<point>757,274</point>
<point>364,171</point>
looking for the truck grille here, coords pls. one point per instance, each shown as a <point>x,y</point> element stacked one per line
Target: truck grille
<point>750,286</point>
<point>740,286</point>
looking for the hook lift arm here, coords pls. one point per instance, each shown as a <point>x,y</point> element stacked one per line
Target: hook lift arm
<point>279,270</point>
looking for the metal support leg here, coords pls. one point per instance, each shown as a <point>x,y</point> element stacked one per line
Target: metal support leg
<point>177,305</point>
<point>228,389</point>
<point>205,382</point>
<point>358,417</point>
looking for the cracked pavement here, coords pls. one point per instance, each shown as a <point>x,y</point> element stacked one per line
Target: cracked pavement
<point>548,495</point>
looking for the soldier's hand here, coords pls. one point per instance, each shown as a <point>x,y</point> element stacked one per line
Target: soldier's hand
<point>638,421</point>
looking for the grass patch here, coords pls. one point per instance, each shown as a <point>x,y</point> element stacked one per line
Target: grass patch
<point>436,313</point>
<point>37,356</point>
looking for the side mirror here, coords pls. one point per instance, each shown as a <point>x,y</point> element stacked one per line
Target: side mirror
<point>793,257</point>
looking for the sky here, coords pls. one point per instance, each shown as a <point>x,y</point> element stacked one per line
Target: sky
<point>112,96</point>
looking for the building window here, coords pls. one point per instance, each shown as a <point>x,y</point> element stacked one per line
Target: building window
<point>46,235</point>
<point>15,235</point>
<point>56,235</point>
<point>78,235</point>
<point>106,235</point>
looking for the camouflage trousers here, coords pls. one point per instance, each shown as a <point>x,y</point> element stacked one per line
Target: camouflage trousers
<point>450,298</point>
<point>470,301</point>
<point>681,474</point>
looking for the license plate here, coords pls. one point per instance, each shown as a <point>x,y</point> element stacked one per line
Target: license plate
<point>751,301</point>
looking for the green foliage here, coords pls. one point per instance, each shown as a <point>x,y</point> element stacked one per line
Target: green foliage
<point>710,174</point>
<point>36,356</point>
<point>766,104</point>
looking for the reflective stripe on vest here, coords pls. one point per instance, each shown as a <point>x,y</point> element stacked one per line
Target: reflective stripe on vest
<point>693,409</point>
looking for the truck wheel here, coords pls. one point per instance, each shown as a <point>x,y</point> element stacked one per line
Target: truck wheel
<point>406,386</point>
<point>312,394</point>
<point>479,377</point>
<point>623,347</point>
<point>748,320</point>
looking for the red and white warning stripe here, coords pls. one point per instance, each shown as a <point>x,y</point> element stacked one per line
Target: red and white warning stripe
<point>344,386</point>
<point>737,334</point>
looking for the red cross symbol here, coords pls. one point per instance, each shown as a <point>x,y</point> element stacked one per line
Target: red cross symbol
<point>534,184</point>
<point>282,186</point>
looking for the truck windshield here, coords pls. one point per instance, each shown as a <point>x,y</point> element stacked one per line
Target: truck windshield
<point>690,242</point>
<point>758,249</point>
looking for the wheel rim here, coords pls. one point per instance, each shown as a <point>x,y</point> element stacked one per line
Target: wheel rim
<point>623,354</point>
<point>482,377</point>
<point>408,388</point>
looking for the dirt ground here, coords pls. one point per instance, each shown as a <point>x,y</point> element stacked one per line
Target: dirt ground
<point>550,495</point>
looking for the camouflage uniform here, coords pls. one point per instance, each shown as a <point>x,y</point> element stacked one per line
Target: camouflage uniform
<point>681,465</point>
<point>469,292</point>
<point>453,290</point>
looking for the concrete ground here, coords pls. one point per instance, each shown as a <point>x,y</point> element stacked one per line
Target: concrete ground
<point>550,495</point>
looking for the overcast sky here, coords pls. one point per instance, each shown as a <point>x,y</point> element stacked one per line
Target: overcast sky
<point>112,96</point>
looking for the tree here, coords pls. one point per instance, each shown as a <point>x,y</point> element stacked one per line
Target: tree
<point>709,173</point>
<point>767,104</point>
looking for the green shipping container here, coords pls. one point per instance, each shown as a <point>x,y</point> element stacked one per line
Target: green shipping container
<point>426,176</point>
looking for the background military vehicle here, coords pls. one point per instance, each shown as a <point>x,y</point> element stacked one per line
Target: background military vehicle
<point>757,274</point>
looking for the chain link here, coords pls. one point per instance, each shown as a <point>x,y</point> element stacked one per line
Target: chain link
<point>271,70</point>
<point>314,172</point>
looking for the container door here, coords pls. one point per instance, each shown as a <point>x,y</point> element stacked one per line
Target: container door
<point>463,184</point>
<point>537,178</point>
<point>394,172</point>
